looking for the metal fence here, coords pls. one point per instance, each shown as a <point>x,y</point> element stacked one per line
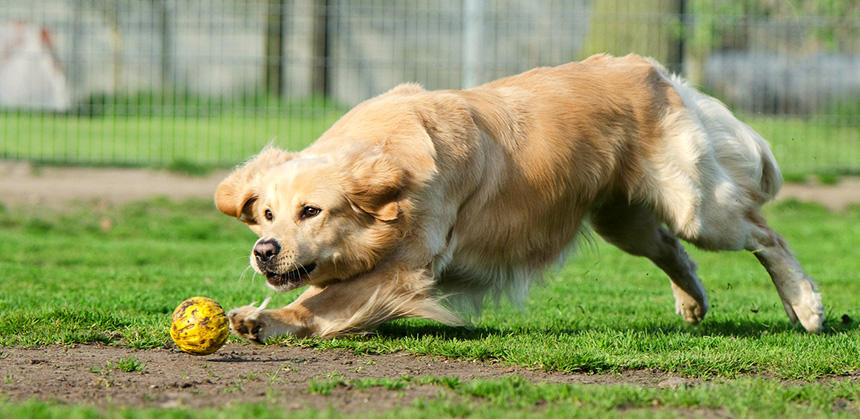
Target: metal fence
<point>209,82</point>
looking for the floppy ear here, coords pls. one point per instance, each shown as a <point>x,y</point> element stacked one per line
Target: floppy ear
<point>376,187</point>
<point>237,194</point>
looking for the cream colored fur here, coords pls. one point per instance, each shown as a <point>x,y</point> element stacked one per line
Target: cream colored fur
<point>425,196</point>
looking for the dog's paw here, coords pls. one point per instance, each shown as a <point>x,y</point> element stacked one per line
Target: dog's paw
<point>691,310</point>
<point>248,322</point>
<point>807,309</point>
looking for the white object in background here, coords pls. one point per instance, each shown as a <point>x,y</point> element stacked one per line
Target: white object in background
<point>31,76</point>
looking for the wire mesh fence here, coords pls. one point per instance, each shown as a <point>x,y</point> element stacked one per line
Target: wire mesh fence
<point>209,82</point>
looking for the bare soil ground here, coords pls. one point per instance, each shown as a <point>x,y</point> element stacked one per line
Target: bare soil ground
<point>244,373</point>
<point>247,374</point>
<point>22,184</point>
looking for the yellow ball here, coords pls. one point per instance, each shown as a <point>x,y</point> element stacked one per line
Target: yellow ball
<point>199,326</point>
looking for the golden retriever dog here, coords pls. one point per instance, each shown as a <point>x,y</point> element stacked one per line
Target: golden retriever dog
<point>415,201</point>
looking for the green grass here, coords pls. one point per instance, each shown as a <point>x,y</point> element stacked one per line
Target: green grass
<point>66,280</point>
<point>517,397</point>
<point>514,395</point>
<point>325,386</point>
<point>816,146</point>
<point>192,143</point>
<point>127,364</point>
<point>159,141</point>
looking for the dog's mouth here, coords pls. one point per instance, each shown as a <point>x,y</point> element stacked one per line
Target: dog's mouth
<point>292,279</point>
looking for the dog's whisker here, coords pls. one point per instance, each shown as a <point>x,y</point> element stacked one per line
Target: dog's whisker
<point>245,272</point>
<point>293,266</point>
<point>254,275</point>
<point>303,269</point>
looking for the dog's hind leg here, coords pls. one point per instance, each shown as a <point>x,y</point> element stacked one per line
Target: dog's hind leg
<point>636,230</point>
<point>799,296</point>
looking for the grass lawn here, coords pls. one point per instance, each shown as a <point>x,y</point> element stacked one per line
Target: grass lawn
<point>68,279</point>
<point>514,398</point>
<point>801,146</point>
<point>220,140</point>
<point>811,147</point>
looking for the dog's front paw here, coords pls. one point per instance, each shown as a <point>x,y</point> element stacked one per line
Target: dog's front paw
<point>248,322</point>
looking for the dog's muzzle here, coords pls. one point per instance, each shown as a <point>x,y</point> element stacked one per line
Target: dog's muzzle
<point>265,254</point>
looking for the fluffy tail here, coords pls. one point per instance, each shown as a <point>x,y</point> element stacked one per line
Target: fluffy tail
<point>739,149</point>
<point>771,178</point>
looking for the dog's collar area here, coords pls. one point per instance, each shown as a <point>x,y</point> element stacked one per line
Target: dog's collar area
<point>293,278</point>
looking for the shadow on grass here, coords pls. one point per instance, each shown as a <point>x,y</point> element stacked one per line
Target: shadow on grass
<point>231,358</point>
<point>742,328</point>
<point>438,330</point>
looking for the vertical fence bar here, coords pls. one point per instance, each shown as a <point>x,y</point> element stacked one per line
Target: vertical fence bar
<point>473,38</point>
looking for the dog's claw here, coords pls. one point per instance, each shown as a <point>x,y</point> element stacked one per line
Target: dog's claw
<point>264,304</point>
<point>246,322</point>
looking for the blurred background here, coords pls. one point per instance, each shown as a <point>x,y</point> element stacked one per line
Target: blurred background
<point>206,83</point>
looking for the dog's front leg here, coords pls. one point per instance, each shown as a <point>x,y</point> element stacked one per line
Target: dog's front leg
<point>355,305</point>
<point>320,311</point>
<point>258,324</point>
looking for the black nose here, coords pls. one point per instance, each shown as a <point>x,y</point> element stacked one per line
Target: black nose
<point>265,250</point>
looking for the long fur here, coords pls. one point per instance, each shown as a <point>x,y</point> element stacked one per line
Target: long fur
<point>426,195</point>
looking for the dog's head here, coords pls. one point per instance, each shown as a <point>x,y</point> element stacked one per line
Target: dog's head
<point>319,219</point>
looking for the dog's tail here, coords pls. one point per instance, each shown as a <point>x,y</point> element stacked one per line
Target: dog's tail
<point>771,177</point>
<point>739,149</point>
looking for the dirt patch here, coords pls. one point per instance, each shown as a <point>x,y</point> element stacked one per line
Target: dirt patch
<point>22,184</point>
<point>239,373</point>
<point>837,197</point>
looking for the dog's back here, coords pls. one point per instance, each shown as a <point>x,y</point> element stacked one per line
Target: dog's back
<point>573,136</point>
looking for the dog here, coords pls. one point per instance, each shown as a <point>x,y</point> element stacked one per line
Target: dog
<point>418,201</point>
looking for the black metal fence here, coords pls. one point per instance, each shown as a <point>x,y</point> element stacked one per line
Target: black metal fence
<point>209,82</point>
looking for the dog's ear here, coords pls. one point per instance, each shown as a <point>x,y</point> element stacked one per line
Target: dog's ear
<point>376,187</point>
<point>237,194</point>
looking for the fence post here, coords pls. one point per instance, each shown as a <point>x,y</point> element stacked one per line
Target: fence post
<point>675,53</point>
<point>75,73</point>
<point>320,44</point>
<point>473,34</point>
<point>273,67</point>
<point>166,31</point>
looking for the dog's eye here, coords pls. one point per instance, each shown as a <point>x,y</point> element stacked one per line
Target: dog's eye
<point>268,214</point>
<point>308,212</point>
